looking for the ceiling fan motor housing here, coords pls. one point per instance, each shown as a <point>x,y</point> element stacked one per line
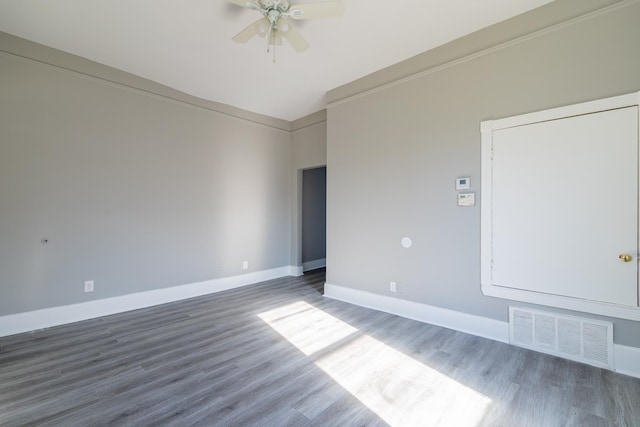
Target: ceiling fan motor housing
<point>273,10</point>
<point>275,21</point>
<point>277,5</point>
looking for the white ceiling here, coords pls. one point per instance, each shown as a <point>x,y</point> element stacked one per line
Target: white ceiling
<point>186,44</point>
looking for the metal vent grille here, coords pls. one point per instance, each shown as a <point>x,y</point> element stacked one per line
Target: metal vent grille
<point>576,338</point>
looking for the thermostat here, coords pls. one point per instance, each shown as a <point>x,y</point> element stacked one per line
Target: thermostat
<point>466,199</point>
<point>463,183</point>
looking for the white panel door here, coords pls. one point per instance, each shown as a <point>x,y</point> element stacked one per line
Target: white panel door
<point>565,206</point>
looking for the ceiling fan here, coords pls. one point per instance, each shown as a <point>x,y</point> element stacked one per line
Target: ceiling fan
<point>275,22</point>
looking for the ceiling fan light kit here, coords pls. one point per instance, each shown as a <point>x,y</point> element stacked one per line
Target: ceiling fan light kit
<point>275,21</point>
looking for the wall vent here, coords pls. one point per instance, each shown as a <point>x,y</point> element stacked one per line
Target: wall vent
<point>576,338</point>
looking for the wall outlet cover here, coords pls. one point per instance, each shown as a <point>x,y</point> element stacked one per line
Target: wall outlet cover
<point>88,286</point>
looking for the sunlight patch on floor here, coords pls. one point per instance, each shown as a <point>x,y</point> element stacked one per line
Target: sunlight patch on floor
<point>396,387</point>
<point>306,327</point>
<point>401,390</point>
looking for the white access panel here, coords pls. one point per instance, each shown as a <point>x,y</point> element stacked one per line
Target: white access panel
<point>564,206</point>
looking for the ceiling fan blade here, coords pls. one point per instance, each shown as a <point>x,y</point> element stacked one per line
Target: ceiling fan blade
<point>246,3</point>
<point>258,28</point>
<point>325,9</point>
<point>295,39</point>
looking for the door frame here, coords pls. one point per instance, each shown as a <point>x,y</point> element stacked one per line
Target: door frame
<point>487,286</point>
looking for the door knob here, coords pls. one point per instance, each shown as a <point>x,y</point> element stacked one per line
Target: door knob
<point>625,257</point>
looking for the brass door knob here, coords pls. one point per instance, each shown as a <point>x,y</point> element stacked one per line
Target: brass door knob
<point>625,257</point>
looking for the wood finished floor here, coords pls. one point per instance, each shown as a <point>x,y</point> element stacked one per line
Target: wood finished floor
<point>223,360</point>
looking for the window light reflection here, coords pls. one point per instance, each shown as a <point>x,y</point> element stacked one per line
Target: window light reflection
<point>396,387</point>
<point>306,327</point>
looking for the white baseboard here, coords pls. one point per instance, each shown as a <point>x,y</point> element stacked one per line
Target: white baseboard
<point>463,322</point>
<point>296,270</point>
<point>626,360</point>
<point>312,265</point>
<point>54,316</point>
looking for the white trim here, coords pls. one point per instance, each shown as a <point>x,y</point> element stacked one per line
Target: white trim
<point>312,265</point>
<point>486,217</point>
<point>575,304</point>
<point>626,360</point>
<point>296,270</point>
<point>149,93</point>
<point>622,101</point>
<point>482,52</point>
<point>459,321</point>
<point>54,316</point>
<point>321,122</point>
<point>486,197</point>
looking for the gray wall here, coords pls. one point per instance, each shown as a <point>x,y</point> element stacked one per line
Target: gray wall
<point>134,190</point>
<point>393,152</point>
<point>314,214</point>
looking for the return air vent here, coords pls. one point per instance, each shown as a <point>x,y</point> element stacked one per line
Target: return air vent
<point>576,338</point>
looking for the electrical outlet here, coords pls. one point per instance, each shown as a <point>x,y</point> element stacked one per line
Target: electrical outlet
<point>393,286</point>
<point>88,286</point>
<point>245,265</point>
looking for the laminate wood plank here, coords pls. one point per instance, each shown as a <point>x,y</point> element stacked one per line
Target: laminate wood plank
<point>544,405</point>
<point>502,393</point>
<point>319,396</point>
<point>86,373</point>
<point>30,368</point>
<point>210,392</point>
<point>584,419</point>
<point>16,339</point>
<point>134,402</point>
<point>58,342</point>
<point>588,398</point>
<point>277,381</point>
<point>12,387</point>
<point>490,373</point>
<point>42,418</point>
<point>622,394</point>
<point>41,409</point>
<point>278,353</point>
<point>260,402</point>
<point>348,411</point>
<point>268,399</point>
<point>202,398</point>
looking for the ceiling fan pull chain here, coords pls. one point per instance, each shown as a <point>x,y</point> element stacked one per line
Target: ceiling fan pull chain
<point>275,11</point>
<point>269,39</point>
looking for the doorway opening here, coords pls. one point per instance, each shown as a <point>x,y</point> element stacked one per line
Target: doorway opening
<point>314,219</point>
